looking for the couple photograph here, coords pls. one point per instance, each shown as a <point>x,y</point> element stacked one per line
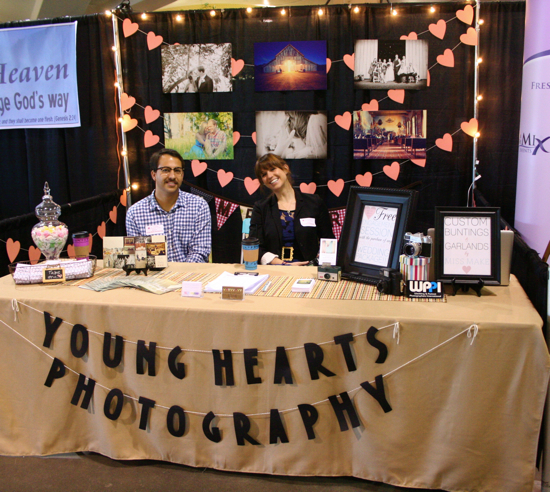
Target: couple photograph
<point>200,135</point>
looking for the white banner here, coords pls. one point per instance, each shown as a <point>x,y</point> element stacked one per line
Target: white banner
<point>38,84</point>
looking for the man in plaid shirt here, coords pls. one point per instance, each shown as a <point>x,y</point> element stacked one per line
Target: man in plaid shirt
<point>216,139</point>
<point>182,217</point>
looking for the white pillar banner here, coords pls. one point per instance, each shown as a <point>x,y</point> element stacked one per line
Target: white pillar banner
<point>38,83</point>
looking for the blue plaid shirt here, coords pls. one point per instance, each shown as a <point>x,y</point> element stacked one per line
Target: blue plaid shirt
<point>186,227</point>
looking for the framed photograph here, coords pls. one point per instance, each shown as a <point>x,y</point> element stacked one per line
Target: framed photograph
<point>374,226</point>
<point>399,64</point>
<point>467,244</point>
<point>290,66</point>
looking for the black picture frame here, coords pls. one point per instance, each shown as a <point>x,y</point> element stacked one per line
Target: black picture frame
<point>353,256</point>
<point>467,246</point>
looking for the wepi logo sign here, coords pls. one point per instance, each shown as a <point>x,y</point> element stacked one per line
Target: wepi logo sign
<point>424,289</point>
<point>38,84</point>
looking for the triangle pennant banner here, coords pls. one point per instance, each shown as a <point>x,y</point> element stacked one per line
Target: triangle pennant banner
<point>337,217</point>
<point>223,210</point>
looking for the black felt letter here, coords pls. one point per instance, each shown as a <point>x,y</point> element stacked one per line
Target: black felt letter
<point>344,341</point>
<point>345,406</point>
<point>172,429</point>
<point>117,356</point>
<point>377,344</point>
<point>144,353</point>
<point>220,364</point>
<point>147,405</point>
<point>378,393</point>
<point>87,387</point>
<point>51,328</point>
<point>309,416</point>
<point>251,360</point>
<point>176,368</point>
<point>57,371</point>
<point>282,367</point>
<point>115,414</point>
<point>315,356</point>
<point>79,352</point>
<point>242,426</point>
<point>276,427</point>
<point>213,435</point>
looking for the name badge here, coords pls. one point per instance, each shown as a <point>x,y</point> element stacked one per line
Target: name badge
<point>308,222</point>
<point>152,230</point>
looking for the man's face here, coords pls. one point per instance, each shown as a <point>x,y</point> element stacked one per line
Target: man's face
<point>211,127</point>
<point>168,182</point>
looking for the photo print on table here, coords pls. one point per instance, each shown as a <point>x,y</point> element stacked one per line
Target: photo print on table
<point>391,64</point>
<point>290,66</point>
<point>292,134</point>
<point>395,134</point>
<point>196,68</point>
<point>200,135</point>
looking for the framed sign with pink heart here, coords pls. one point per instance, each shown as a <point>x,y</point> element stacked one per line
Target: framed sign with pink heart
<point>467,245</point>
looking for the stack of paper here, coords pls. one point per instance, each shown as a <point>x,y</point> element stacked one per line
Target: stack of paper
<point>303,285</point>
<point>250,283</point>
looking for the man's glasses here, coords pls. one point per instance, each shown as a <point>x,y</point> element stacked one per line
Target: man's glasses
<point>165,171</point>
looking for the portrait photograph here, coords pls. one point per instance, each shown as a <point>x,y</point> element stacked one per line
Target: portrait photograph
<point>391,64</point>
<point>290,66</point>
<point>292,134</point>
<point>200,135</point>
<point>196,68</point>
<point>396,134</point>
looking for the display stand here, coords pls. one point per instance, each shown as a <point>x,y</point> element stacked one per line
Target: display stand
<point>475,286</point>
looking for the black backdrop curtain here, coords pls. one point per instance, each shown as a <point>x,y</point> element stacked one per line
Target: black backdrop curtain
<point>83,162</point>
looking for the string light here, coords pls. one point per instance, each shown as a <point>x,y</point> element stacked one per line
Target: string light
<point>108,13</point>
<point>135,186</point>
<point>123,152</point>
<point>179,18</point>
<point>249,9</point>
<point>479,60</point>
<point>116,84</point>
<point>481,21</point>
<point>212,13</point>
<point>144,16</point>
<point>477,135</point>
<point>432,9</point>
<point>393,11</point>
<point>120,120</point>
<point>113,48</point>
<point>356,9</point>
<point>283,12</point>
<point>480,97</point>
<point>320,12</point>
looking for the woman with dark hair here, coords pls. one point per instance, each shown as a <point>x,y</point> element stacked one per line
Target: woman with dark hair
<point>288,223</point>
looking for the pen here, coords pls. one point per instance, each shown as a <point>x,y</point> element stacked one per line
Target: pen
<point>266,286</point>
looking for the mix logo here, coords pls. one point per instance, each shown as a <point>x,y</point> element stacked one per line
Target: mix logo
<point>533,143</point>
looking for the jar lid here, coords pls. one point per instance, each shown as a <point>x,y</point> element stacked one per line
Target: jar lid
<point>47,209</point>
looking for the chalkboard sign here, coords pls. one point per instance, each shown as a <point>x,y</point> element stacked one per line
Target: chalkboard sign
<point>56,274</point>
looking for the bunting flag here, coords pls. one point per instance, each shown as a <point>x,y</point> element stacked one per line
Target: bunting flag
<point>223,210</point>
<point>337,217</point>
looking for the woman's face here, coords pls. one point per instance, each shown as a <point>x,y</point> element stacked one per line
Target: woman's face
<point>275,178</point>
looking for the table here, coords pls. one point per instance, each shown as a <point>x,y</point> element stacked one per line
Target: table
<point>466,403</point>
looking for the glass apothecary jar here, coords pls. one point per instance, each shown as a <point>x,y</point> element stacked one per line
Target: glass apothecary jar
<point>49,235</point>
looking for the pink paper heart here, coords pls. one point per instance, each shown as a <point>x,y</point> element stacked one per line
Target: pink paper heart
<point>123,199</point>
<point>113,215</point>
<point>349,60</point>
<point>198,167</point>
<point>412,36</point>
<point>429,79</point>
<point>236,66</point>
<point>126,101</point>
<point>13,248</point>
<point>470,127</point>
<point>470,37</point>
<point>224,177</point>
<point>392,171</point>
<point>70,251</point>
<point>447,59</point>
<point>438,30</point>
<point>253,137</point>
<point>364,179</point>
<point>90,241</point>
<point>372,106</point>
<point>149,139</point>
<point>34,254</point>
<point>419,162</point>
<point>101,230</point>
<point>236,137</point>
<point>329,64</point>
<point>445,143</point>
<point>251,185</point>
<point>128,123</point>
<point>466,269</point>
<point>466,15</point>
<point>369,211</point>
<point>153,41</point>
<point>129,27</point>
<point>308,188</point>
<point>397,95</point>
<point>336,186</point>
<point>151,114</point>
<point>344,120</point>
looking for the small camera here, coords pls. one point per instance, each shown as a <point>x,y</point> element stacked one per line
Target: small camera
<point>326,271</point>
<point>391,282</point>
<point>417,245</point>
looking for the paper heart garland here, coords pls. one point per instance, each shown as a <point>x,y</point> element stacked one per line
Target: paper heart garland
<point>429,79</point>
<point>129,27</point>
<point>445,143</point>
<point>251,185</point>
<point>364,179</point>
<point>447,59</point>
<point>412,36</point>
<point>123,199</point>
<point>397,95</point>
<point>438,30</point>
<point>151,114</point>
<point>198,167</point>
<point>470,37</point>
<point>149,139</point>
<point>101,230</point>
<point>153,41</point>
<point>372,106</point>
<point>419,162</point>
<point>336,186</point>
<point>236,66</point>
<point>329,64</point>
<point>308,188</point>
<point>344,120</point>
<point>236,137</point>
<point>392,171</point>
<point>126,101</point>
<point>466,15</point>
<point>470,127</point>
<point>128,123</point>
<point>13,248</point>
<point>113,214</point>
<point>34,254</point>
<point>253,137</point>
<point>70,251</point>
<point>224,177</point>
<point>349,60</point>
